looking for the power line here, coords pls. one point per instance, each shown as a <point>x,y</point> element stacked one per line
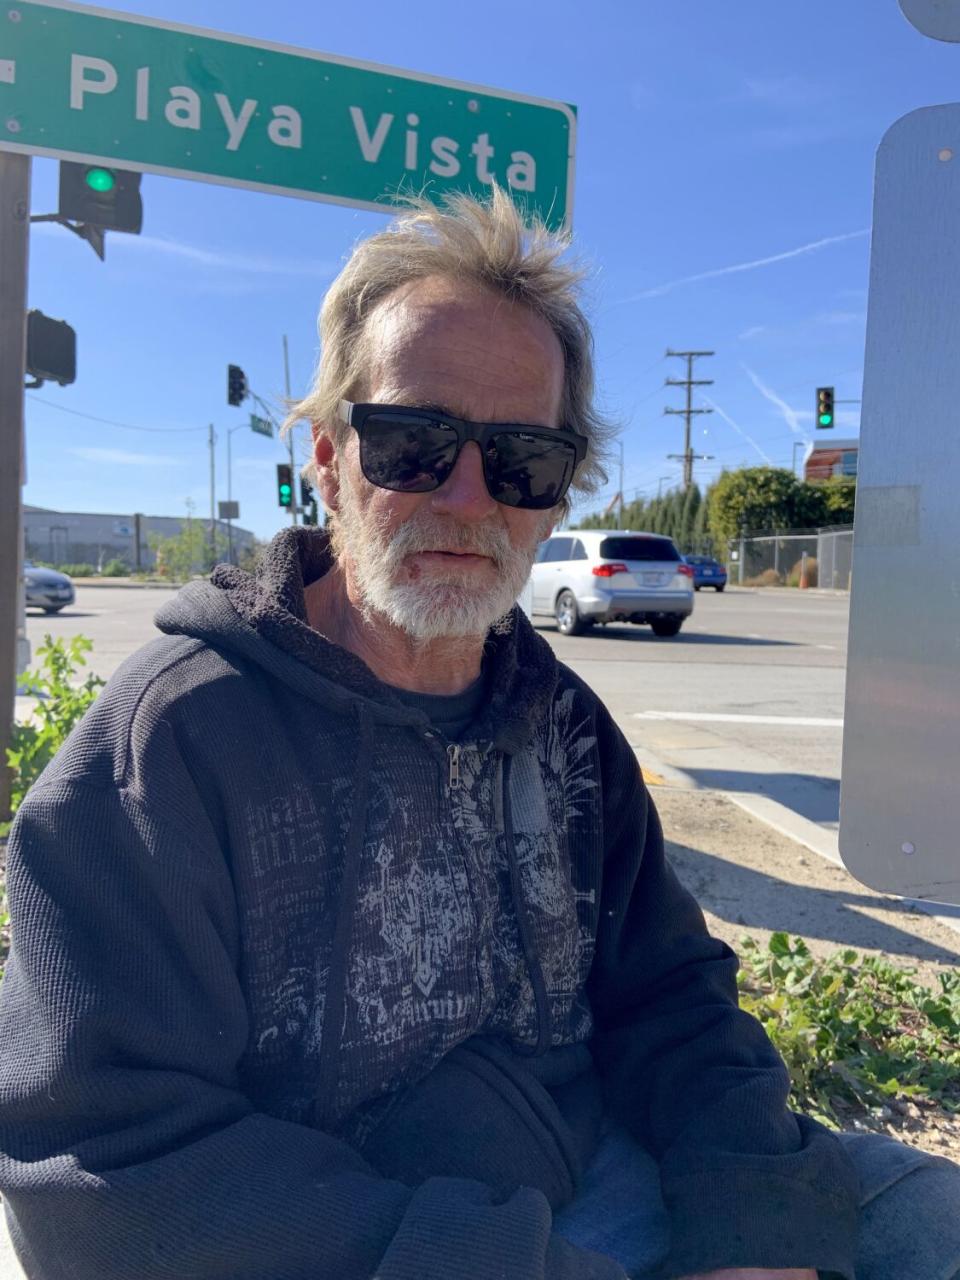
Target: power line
<point>109,422</point>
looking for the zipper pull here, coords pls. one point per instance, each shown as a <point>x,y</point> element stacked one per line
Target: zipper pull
<point>453,754</point>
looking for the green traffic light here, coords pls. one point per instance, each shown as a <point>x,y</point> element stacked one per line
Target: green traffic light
<point>285,494</point>
<point>101,180</point>
<point>826,419</point>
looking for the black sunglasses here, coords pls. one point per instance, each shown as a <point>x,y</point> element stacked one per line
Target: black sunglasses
<point>415,450</point>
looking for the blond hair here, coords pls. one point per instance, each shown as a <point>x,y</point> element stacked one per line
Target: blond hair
<point>480,242</point>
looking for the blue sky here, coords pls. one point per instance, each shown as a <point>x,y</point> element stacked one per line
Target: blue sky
<point>723,197</point>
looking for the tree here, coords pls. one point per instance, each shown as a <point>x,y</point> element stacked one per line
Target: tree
<point>754,498</point>
<point>839,498</point>
<point>702,542</point>
<point>692,503</point>
<point>809,507</point>
<point>188,552</point>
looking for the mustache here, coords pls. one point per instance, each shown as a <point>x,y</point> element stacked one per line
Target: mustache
<point>427,533</point>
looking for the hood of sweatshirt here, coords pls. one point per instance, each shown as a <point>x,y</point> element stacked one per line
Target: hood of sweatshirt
<point>262,617</point>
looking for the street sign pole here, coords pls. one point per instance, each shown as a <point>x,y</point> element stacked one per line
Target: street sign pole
<point>293,461</point>
<point>14,240</point>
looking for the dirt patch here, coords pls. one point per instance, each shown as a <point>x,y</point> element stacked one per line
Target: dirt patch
<point>749,879</point>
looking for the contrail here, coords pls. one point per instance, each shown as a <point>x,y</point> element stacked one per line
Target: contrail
<point>660,289</point>
<point>789,415</point>
<point>257,264</point>
<point>730,422</point>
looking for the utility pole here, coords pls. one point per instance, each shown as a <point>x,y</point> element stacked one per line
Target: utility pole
<point>689,382</point>
<point>14,246</point>
<point>293,461</point>
<point>213,501</point>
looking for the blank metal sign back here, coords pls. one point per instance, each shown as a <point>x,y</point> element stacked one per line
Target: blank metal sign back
<point>900,805</point>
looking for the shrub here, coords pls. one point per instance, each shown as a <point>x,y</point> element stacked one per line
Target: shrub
<point>76,570</point>
<point>793,578</point>
<point>115,568</point>
<point>60,705</point>
<point>769,578</point>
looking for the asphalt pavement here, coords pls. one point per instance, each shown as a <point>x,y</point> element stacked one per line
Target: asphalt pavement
<point>747,700</point>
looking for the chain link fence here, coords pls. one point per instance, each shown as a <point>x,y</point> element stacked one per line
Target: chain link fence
<point>821,557</point>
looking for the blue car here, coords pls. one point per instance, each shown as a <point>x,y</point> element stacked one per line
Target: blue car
<point>707,572</point>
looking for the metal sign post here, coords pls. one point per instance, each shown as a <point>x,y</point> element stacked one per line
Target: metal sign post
<point>121,90</point>
<point>14,237</point>
<point>900,806</point>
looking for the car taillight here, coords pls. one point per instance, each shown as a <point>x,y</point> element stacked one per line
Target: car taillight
<point>608,570</point>
<point>685,569</point>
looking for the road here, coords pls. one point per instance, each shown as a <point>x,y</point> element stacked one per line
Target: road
<point>776,656</point>
<point>747,699</point>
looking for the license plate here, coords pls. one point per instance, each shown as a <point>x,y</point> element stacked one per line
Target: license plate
<point>708,573</point>
<point>652,579</point>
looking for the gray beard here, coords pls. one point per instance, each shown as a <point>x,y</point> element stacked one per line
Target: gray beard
<point>447,603</point>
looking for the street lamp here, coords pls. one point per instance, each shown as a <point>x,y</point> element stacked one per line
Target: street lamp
<point>261,426</point>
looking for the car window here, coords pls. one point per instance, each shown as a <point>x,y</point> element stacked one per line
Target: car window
<point>559,549</point>
<point>578,551</point>
<point>638,548</point>
<point>542,552</point>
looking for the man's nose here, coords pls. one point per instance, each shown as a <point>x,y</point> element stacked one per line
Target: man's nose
<point>465,494</point>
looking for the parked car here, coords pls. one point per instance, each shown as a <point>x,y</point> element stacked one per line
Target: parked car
<point>707,572</point>
<point>47,589</point>
<point>585,576</point>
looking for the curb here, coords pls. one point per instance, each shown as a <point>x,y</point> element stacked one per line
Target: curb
<point>786,822</point>
<point>124,584</point>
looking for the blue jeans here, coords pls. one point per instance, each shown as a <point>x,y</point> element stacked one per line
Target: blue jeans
<point>909,1209</point>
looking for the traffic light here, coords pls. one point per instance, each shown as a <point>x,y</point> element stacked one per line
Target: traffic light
<point>306,492</point>
<point>51,350</point>
<point>824,408</point>
<point>237,389</point>
<point>284,484</point>
<point>108,199</point>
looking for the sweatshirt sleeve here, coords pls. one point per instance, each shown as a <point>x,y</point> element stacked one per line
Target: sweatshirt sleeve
<point>693,1078</point>
<point>128,1150</point>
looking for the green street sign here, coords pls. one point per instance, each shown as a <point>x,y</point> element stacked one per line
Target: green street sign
<point>262,426</point>
<point>129,92</point>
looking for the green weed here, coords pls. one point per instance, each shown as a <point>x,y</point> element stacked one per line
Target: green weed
<point>856,1032</point>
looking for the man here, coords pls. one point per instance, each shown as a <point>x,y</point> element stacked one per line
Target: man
<point>344,943</point>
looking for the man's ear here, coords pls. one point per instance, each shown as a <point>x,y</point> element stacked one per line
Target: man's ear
<point>325,461</point>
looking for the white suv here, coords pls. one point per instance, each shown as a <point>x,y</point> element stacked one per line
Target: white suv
<point>584,576</point>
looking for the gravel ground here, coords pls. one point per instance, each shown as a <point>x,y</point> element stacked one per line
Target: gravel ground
<point>749,879</point>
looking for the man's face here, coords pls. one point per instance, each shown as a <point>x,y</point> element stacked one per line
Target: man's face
<point>452,561</point>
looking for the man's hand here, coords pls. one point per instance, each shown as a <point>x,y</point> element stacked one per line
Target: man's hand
<point>754,1273</point>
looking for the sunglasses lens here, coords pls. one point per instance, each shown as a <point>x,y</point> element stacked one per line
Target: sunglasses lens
<point>527,470</point>
<point>408,455</point>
